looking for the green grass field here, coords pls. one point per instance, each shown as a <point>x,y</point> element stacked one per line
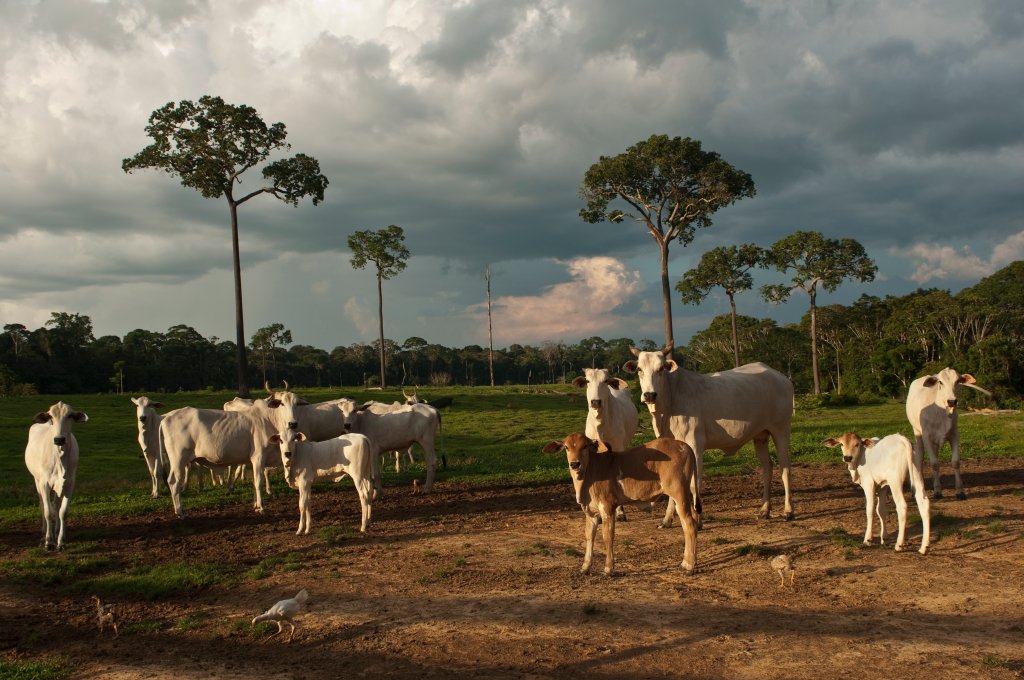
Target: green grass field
<point>490,435</point>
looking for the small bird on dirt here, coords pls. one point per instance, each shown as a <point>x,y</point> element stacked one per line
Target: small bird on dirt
<point>415,487</point>
<point>783,564</point>
<point>283,612</point>
<point>105,615</point>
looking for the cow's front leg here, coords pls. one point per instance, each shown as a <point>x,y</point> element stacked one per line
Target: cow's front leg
<point>869,501</point>
<point>589,533</point>
<point>257,478</point>
<point>954,445</point>
<point>608,534</point>
<point>62,514</point>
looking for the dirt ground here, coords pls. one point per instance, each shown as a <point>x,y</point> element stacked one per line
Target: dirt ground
<point>485,583</point>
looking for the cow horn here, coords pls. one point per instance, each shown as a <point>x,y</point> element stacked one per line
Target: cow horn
<point>980,389</point>
<point>667,349</point>
<point>286,385</point>
<point>266,386</point>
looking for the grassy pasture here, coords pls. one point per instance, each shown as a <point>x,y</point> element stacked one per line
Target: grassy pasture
<point>490,435</point>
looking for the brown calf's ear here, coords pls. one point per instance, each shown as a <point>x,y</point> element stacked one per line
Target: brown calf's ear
<point>831,441</point>
<point>579,381</point>
<point>603,447</point>
<point>41,417</point>
<point>629,366</point>
<point>868,443</point>
<point>553,447</point>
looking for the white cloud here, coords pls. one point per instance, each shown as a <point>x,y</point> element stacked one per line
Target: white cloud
<point>943,262</point>
<point>588,304</point>
<point>362,316</point>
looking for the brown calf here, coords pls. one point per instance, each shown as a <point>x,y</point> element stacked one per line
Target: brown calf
<point>604,480</point>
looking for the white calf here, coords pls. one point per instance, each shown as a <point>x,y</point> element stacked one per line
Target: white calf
<point>305,460</point>
<point>51,456</point>
<point>876,465</point>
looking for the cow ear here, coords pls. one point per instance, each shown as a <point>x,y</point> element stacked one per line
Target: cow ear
<point>629,366</point>
<point>301,402</point>
<point>967,379</point>
<point>41,417</point>
<point>156,404</point>
<point>552,447</point>
<point>79,417</point>
<point>275,438</point>
<point>831,441</point>
<point>579,381</point>
<point>603,446</point>
<point>618,384</point>
<point>930,381</point>
<point>671,366</point>
<point>273,403</point>
<point>868,443</point>
<point>300,437</point>
<point>135,401</point>
<point>364,407</point>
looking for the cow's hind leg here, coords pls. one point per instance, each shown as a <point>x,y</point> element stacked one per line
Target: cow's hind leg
<point>781,440</point>
<point>765,458</point>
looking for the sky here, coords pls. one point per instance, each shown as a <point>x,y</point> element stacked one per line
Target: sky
<point>471,124</point>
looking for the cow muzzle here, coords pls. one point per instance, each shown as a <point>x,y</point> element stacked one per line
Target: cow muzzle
<point>293,425</point>
<point>60,441</point>
<point>650,397</point>
<point>142,419</point>
<point>595,404</point>
<point>575,465</point>
<point>348,427</point>
<point>951,405</point>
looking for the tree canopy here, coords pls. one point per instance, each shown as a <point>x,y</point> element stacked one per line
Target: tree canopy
<point>815,260</point>
<point>386,250</point>
<point>671,186</point>
<point>209,144</point>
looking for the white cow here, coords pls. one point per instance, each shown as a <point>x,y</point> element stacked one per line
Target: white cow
<point>304,461</point>
<point>212,438</point>
<point>611,416</point>
<point>51,456</point>
<point>932,412</point>
<point>720,411</point>
<point>396,430</point>
<point>148,423</point>
<point>886,463</point>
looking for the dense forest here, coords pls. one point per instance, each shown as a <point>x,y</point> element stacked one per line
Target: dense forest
<point>874,346</point>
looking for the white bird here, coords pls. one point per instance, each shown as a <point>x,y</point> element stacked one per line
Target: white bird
<point>283,612</point>
<point>783,564</point>
<point>105,616</point>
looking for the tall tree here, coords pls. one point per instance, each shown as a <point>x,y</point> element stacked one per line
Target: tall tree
<point>669,185</point>
<point>724,267</point>
<point>385,249</point>
<point>209,145</point>
<point>265,342</point>
<point>814,260</point>
<point>490,327</point>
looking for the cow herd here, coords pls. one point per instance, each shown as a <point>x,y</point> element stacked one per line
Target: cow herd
<point>690,413</point>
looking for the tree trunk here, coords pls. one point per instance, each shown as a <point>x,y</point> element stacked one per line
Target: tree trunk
<point>666,293</point>
<point>490,329</point>
<point>380,318</point>
<point>735,336</point>
<point>814,343</point>
<point>243,367</point>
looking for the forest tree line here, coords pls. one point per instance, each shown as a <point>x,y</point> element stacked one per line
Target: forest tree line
<point>874,346</point>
